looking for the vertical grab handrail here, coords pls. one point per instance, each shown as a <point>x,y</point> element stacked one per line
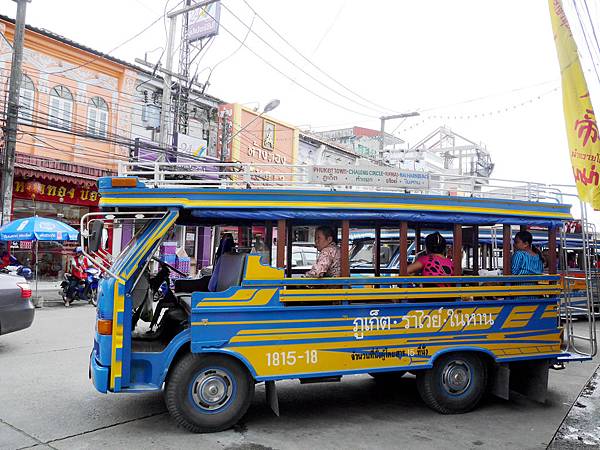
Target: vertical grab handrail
<point>588,265</point>
<point>573,339</point>
<point>565,298</point>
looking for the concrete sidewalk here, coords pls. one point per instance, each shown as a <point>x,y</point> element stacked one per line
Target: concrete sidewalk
<point>581,427</point>
<point>48,293</point>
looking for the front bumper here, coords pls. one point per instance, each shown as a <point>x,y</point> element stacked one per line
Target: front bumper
<point>98,374</point>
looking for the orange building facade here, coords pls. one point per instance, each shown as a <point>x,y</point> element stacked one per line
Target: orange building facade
<point>256,138</point>
<point>75,117</point>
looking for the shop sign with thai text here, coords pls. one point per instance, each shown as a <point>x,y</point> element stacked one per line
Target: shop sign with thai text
<point>387,177</point>
<point>56,193</point>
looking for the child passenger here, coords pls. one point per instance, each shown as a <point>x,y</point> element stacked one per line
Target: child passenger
<point>434,262</point>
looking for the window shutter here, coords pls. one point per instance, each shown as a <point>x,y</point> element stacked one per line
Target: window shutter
<point>54,111</point>
<point>66,114</point>
<point>103,123</point>
<point>91,120</point>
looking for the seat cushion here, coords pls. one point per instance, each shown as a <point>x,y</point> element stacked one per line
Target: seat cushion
<point>192,285</point>
<point>228,272</point>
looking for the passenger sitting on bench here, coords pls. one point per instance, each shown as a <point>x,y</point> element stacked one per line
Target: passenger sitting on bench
<point>434,262</point>
<point>328,264</point>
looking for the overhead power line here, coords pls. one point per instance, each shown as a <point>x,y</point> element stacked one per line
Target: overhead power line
<point>597,47</point>
<point>331,102</point>
<point>126,41</point>
<point>301,69</point>
<point>585,37</point>
<point>305,58</point>
<point>232,53</point>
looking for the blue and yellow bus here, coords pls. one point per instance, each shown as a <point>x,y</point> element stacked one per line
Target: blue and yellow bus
<point>207,348</point>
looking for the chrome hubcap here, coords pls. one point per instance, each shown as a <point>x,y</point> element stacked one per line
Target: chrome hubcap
<point>212,389</point>
<point>456,377</point>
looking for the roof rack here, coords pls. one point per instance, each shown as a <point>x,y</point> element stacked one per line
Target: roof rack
<point>225,175</point>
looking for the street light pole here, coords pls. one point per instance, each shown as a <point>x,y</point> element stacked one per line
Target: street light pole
<point>226,139</point>
<point>12,116</point>
<point>268,107</point>
<point>383,119</point>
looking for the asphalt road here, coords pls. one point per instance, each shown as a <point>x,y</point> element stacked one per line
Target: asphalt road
<point>47,401</point>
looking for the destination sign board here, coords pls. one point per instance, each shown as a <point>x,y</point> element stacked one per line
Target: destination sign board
<point>388,177</point>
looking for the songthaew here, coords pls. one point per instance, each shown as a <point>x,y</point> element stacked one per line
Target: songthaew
<point>210,340</point>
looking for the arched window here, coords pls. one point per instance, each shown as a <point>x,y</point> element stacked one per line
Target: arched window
<point>26,100</point>
<point>97,117</point>
<point>61,108</point>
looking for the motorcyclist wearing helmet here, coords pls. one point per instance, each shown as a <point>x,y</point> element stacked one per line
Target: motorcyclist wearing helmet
<point>78,263</point>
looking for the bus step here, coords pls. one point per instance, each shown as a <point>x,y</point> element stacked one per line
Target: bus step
<point>332,379</point>
<point>572,356</point>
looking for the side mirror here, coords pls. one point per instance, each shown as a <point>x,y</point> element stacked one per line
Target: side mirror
<point>95,238</point>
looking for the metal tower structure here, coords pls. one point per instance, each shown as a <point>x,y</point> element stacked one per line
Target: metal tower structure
<point>180,110</point>
<point>444,151</point>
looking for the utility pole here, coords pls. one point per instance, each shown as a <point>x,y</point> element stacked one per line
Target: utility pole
<point>165,111</point>
<point>383,119</point>
<point>12,116</point>
<point>224,138</point>
<point>180,113</point>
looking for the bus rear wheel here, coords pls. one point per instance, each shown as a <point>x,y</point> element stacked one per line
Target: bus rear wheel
<point>455,384</point>
<point>208,393</point>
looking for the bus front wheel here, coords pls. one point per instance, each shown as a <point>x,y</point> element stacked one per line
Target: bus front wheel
<point>455,384</point>
<point>208,393</point>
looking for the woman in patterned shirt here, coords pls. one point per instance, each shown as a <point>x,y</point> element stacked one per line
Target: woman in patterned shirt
<point>328,264</point>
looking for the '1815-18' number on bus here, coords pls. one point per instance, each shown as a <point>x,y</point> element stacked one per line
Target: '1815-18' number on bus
<point>290,358</point>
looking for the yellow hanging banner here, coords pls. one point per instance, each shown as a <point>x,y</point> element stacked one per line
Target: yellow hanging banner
<point>582,129</point>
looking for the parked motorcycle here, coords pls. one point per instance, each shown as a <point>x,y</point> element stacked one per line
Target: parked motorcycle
<point>19,270</point>
<point>16,268</point>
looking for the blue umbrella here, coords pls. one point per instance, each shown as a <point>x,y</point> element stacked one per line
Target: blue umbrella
<point>37,229</point>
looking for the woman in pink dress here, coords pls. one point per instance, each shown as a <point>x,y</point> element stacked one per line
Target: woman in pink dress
<point>434,262</point>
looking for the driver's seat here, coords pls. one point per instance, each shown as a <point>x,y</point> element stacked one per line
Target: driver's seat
<point>228,271</point>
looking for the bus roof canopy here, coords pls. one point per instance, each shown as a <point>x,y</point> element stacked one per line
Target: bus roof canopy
<point>212,204</point>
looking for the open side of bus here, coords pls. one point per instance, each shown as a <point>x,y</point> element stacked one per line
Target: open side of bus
<point>461,335</point>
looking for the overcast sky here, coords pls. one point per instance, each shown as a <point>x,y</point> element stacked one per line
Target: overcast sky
<point>486,69</point>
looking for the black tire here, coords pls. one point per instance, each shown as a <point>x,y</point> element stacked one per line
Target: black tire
<point>94,298</point>
<point>386,377</point>
<point>455,384</point>
<point>191,407</point>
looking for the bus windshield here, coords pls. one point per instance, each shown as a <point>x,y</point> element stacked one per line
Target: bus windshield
<point>138,229</point>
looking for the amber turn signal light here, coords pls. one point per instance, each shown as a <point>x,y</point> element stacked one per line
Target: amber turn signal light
<point>104,326</point>
<point>124,182</point>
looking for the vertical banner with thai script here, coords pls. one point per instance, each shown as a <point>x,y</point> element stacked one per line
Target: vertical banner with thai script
<point>582,129</point>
